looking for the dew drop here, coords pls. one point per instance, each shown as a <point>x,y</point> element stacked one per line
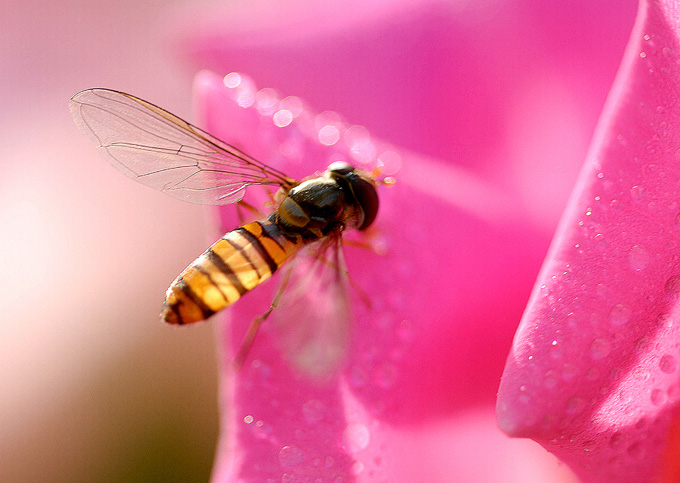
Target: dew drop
<point>636,451</point>
<point>668,364</point>
<point>261,371</point>
<point>292,104</point>
<point>313,411</point>
<point>261,429</point>
<point>569,371</point>
<point>616,441</point>
<point>232,80</point>
<point>664,321</point>
<point>291,456</point>
<point>638,258</point>
<point>265,100</point>
<point>245,99</point>
<point>405,331</point>
<point>575,405</point>
<point>637,192</point>
<point>592,374</point>
<point>389,162</point>
<point>282,118</point>
<point>658,397</point>
<point>672,287</point>
<point>357,135</point>
<point>674,392</point>
<point>357,467</point>
<point>328,135</point>
<point>619,315</point>
<point>600,348</point>
<point>355,437</point>
<point>550,380</point>
<point>358,377</point>
<point>642,344</point>
<point>385,375</point>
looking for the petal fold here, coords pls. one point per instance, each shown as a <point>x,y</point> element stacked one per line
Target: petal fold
<point>593,374</point>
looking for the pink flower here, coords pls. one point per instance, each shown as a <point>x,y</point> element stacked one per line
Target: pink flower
<point>463,239</point>
<point>593,371</point>
<point>395,393</point>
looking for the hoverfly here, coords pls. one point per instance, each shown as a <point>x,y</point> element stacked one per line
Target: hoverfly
<point>160,150</point>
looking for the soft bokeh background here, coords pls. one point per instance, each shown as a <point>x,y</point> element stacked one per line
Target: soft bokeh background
<point>92,386</point>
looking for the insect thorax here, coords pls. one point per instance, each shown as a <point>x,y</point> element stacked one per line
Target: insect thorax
<point>316,208</point>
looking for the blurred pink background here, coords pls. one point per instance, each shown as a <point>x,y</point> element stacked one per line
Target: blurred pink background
<point>94,387</point>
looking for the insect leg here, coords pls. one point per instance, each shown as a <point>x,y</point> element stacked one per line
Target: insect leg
<point>255,324</point>
<point>242,204</point>
<point>339,265</point>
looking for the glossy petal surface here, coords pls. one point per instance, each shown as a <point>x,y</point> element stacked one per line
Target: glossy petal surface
<point>396,384</point>
<point>593,372</point>
<point>507,94</point>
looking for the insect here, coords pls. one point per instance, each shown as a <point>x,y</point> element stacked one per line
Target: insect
<point>160,150</point>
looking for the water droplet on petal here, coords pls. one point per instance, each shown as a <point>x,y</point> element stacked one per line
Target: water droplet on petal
<point>637,193</point>
<point>619,315</point>
<point>385,375</point>
<point>664,321</point>
<point>291,456</point>
<point>636,450</point>
<point>355,437</point>
<point>575,405</point>
<point>600,348</point>
<point>261,429</point>
<point>551,379</point>
<point>282,118</point>
<point>293,104</point>
<point>658,397</point>
<point>674,392</point>
<point>389,162</point>
<point>357,377</point>
<point>265,100</point>
<point>231,80</point>
<point>668,364</point>
<point>616,441</point>
<point>672,287</point>
<point>313,411</point>
<point>569,371</point>
<point>638,258</point>
<point>328,135</point>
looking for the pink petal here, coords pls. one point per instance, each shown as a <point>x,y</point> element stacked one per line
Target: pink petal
<point>476,84</point>
<point>428,350</point>
<point>593,372</point>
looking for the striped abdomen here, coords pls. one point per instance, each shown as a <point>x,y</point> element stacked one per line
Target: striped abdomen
<point>235,264</point>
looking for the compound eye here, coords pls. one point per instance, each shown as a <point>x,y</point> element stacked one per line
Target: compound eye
<point>367,197</point>
<point>341,168</point>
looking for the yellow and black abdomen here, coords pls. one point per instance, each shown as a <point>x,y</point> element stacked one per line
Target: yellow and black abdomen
<point>238,262</point>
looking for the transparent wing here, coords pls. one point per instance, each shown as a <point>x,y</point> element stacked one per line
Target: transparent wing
<point>313,318</point>
<point>160,150</point>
